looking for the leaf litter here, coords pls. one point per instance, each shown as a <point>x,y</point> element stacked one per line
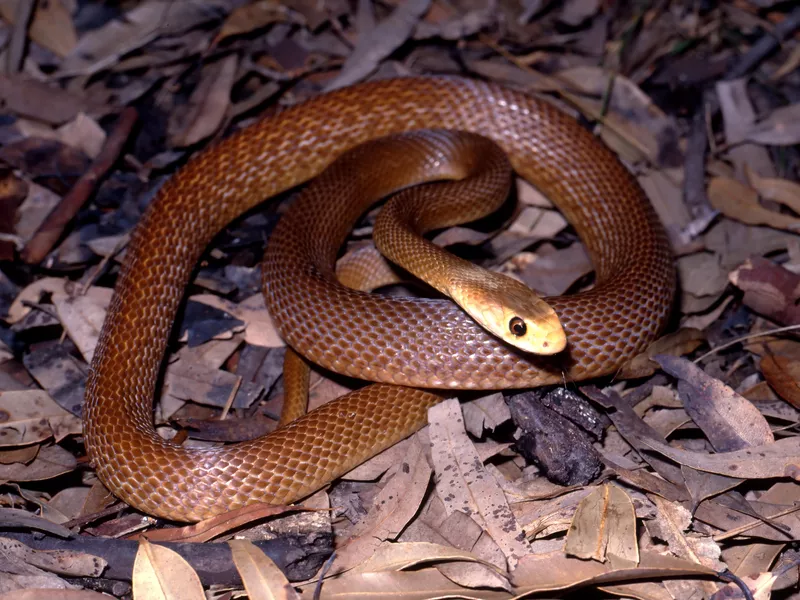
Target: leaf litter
<point>690,456</point>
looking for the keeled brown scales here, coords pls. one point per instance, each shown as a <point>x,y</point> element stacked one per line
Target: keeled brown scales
<point>421,343</point>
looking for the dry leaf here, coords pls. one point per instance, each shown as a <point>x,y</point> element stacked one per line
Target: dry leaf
<point>262,578</point>
<point>769,289</point>
<point>208,104</point>
<point>553,271</point>
<point>678,343</point>
<point>422,584</point>
<point>671,525</point>
<point>729,421</point>
<point>393,507</point>
<point>53,594</point>
<point>783,375</point>
<point>162,574</point>
<point>380,42</point>
<point>485,413</point>
<point>463,483</point>
<point>604,526</point>
<point>83,316</point>
<point>30,416</point>
<point>101,47</point>
<point>555,571</point>
<point>252,16</point>
<point>780,128</point>
<point>51,25</point>
<point>51,461</point>
<point>397,556</point>
<point>771,188</point>
<point>740,202</point>
<point>261,330</point>
<point>779,459</point>
<point>63,562</point>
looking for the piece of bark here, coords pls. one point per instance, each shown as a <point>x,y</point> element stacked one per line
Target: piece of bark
<point>563,452</point>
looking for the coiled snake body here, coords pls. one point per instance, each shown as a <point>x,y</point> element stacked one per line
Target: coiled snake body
<point>420,343</point>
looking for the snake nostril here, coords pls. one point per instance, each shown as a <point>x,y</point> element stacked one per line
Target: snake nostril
<point>517,326</point>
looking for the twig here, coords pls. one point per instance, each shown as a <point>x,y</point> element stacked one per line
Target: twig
<point>765,45</point>
<point>231,398</point>
<point>53,227</point>
<point>745,338</point>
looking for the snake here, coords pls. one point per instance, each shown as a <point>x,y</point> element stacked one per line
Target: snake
<point>414,350</point>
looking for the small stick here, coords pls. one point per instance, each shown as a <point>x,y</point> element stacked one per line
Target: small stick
<point>765,46</point>
<point>52,228</point>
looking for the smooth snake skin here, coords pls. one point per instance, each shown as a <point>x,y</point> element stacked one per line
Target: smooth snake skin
<point>421,343</point>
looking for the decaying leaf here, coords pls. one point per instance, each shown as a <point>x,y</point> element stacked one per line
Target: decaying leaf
<point>769,289</point>
<point>261,576</point>
<point>740,202</point>
<point>464,485</point>
<point>779,459</point>
<point>783,375</point>
<point>159,572</point>
<point>392,509</point>
<point>729,421</point>
<point>679,343</point>
<point>604,528</point>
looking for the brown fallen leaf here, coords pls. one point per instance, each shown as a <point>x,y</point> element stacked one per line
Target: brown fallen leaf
<point>672,524</point>
<point>64,562</point>
<point>252,16</point>
<point>555,571</point>
<point>82,316</point>
<point>553,271</point>
<point>463,483</point>
<point>32,416</point>
<point>207,105</point>
<point>779,459</point>
<point>393,507</point>
<point>262,578</point>
<point>783,191</point>
<point>159,572</point>
<point>420,584</point>
<point>101,47</point>
<point>604,528</point>
<point>51,461</point>
<point>783,375</point>
<point>769,289</point>
<point>260,330</point>
<point>51,25</point>
<point>729,421</point>
<point>53,594</point>
<point>397,556</point>
<point>379,42</point>
<point>780,128</point>
<point>678,343</point>
<point>740,202</point>
<point>485,413</point>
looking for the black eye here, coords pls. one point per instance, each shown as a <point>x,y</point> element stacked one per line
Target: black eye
<point>517,326</point>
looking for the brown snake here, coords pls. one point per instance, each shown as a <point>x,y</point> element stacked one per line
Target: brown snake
<point>422,343</point>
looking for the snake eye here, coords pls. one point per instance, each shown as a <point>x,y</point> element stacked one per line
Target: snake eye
<point>517,326</point>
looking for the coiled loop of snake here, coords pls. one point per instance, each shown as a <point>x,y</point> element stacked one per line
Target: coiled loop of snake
<point>421,343</point>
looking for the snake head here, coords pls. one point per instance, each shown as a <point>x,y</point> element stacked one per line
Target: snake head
<point>513,312</point>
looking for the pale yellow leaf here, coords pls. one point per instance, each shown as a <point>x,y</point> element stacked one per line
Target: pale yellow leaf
<point>262,578</point>
<point>162,574</point>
